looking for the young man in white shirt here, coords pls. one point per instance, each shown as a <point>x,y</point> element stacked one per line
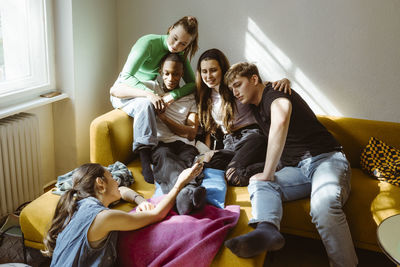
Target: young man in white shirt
<point>176,129</point>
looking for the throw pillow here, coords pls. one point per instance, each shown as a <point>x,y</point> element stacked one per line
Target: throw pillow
<point>381,161</point>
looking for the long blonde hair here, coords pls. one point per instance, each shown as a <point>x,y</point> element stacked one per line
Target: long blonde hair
<point>191,26</point>
<point>84,185</point>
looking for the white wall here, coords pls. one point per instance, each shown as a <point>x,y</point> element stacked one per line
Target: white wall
<point>86,67</point>
<point>95,55</point>
<point>86,45</point>
<point>342,56</point>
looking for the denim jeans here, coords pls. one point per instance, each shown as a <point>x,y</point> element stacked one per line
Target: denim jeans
<point>326,179</point>
<point>144,122</point>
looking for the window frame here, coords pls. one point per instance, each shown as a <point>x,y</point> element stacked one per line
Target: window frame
<point>40,81</point>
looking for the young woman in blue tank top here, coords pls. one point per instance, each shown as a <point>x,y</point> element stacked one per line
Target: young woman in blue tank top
<point>84,230</point>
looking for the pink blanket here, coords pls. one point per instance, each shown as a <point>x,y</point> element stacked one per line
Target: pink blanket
<point>178,240</point>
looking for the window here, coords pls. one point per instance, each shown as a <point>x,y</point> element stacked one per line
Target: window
<point>26,61</point>
<point>2,78</point>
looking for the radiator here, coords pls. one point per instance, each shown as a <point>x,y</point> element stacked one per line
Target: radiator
<point>19,161</point>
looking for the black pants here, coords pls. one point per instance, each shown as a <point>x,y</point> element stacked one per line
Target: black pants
<point>242,157</point>
<point>169,160</point>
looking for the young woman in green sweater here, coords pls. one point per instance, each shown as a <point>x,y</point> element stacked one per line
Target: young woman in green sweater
<point>130,94</point>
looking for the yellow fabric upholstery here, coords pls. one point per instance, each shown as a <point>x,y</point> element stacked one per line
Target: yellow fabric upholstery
<point>370,200</point>
<point>354,134</point>
<point>369,203</point>
<point>36,217</point>
<point>111,138</point>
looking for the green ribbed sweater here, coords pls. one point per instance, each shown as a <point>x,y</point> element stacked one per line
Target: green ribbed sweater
<point>144,62</point>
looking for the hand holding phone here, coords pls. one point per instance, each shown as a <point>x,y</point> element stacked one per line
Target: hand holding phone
<point>199,158</point>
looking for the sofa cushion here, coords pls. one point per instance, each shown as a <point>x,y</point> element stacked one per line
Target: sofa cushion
<point>35,219</point>
<point>354,134</point>
<point>238,196</point>
<point>381,161</point>
<point>111,136</point>
<point>386,203</point>
<point>367,195</point>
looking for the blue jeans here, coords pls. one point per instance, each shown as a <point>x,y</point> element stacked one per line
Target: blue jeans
<point>144,122</point>
<point>326,178</point>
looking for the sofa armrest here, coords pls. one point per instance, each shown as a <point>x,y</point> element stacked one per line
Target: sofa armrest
<point>111,137</point>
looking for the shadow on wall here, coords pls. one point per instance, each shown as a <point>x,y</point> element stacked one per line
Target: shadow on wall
<point>274,64</point>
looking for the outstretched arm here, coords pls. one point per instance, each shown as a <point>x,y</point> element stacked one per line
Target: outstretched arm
<point>117,220</point>
<point>281,109</point>
<point>131,196</point>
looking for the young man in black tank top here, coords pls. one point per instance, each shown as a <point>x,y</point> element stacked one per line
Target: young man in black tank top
<point>303,160</point>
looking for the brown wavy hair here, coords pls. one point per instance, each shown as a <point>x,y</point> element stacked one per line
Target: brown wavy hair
<point>191,26</point>
<point>84,185</point>
<point>203,94</point>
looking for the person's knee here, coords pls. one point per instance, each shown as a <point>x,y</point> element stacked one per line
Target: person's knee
<point>325,205</point>
<point>236,177</point>
<point>159,153</point>
<point>236,174</point>
<point>264,187</point>
<point>257,139</point>
<point>188,155</point>
<point>144,105</point>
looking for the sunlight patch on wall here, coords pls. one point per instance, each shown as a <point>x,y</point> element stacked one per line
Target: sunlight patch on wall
<point>274,64</point>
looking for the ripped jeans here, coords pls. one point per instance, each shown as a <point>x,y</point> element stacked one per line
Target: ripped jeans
<point>326,178</point>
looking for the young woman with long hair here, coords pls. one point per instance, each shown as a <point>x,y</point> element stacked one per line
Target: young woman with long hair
<point>244,145</point>
<point>131,95</point>
<point>83,231</point>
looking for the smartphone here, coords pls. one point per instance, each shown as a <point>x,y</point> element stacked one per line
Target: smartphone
<point>199,158</point>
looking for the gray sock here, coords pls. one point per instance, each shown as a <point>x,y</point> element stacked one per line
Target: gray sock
<point>265,237</point>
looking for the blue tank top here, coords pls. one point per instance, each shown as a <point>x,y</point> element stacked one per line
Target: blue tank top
<point>72,246</point>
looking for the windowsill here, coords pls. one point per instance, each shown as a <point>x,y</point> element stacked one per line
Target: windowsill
<point>34,103</point>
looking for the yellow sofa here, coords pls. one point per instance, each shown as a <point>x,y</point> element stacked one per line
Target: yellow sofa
<point>369,203</point>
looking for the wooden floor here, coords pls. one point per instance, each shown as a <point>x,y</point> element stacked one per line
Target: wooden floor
<point>305,252</point>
